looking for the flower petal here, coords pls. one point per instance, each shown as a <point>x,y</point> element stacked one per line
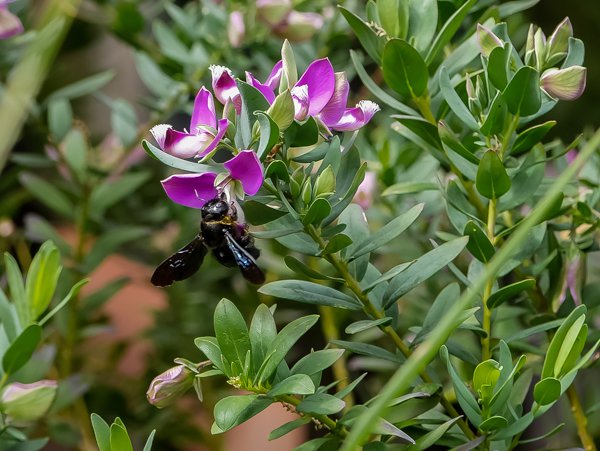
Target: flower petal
<point>320,79</point>
<point>263,88</point>
<point>246,168</point>
<point>222,128</point>
<point>275,76</point>
<point>10,25</point>
<point>204,111</point>
<point>301,102</point>
<point>160,132</point>
<point>191,190</point>
<point>223,84</point>
<point>334,110</point>
<point>355,118</point>
<point>565,84</point>
<point>186,145</point>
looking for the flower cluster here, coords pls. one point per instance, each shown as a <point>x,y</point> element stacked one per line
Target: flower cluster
<point>320,93</point>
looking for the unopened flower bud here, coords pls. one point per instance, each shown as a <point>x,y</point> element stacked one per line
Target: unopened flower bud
<point>273,12</point>
<point>299,26</point>
<point>10,25</point>
<point>170,385</point>
<point>236,29</point>
<point>325,184</point>
<point>558,42</point>
<point>564,84</point>
<point>364,194</point>
<point>487,40</point>
<point>27,402</point>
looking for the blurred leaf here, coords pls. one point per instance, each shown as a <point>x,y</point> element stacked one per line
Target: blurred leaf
<point>60,118</point>
<point>455,102</point>
<point>316,361</point>
<point>21,349</point>
<point>8,317</point>
<point>17,289</point>
<point>372,43</point>
<point>284,341</point>
<point>169,43</point>
<point>48,194</point>
<point>119,439</point>
<point>74,151</point>
<point>231,332</point>
<point>423,18</point>
<point>262,333</point>
<point>124,122</point>
<point>110,191</point>
<point>437,311</point>
<point>479,244</point>
<point>42,278</point>
<point>409,188</point>
<point>110,242</point>
<point>321,404</point>
<point>309,293</point>
<point>522,94</point>
<point>81,87</point>
<point>492,180</point>
<point>508,292</point>
<point>314,444</point>
<point>95,300</point>
<point>404,70</point>
<point>153,77</point>
<point>508,9</point>
<point>296,384</point>
<point>547,391</point>
<point>534,330</point>
<point>101,432</point>
<point>550,433</point>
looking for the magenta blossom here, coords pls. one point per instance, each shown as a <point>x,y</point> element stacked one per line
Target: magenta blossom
<point>320,92</point>
<point>10,25</point>
<point>204,135</point>
<point>194,190</point>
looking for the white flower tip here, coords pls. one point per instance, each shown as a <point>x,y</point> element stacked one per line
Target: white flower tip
<point>159,132</point>
<point>368,107</point>
<point>217,71</point>
<point>300,92</point>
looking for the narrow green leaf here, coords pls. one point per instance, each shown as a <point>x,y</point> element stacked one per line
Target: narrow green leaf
<point>8,317</point>
<point>455,102</point>
<point>336,244</point>
<point>409,188</point>
<point>510,291</point>
<point>48,194</point>
<point>149,441</point>
<point>296,384</point>
<point>372,43</point>
<point>231,332</point>
<point>317,361</point>
<point>81,87</point>
<point>262,333</point>
<point>60,118</point>
<point>309,293</point>
<point>42,279</point>
<point>404,69</point>
<point>321,404</point>
<point>20,351</point>
<point>101,432</point>
<point>317,212</point>
<point>366,324</point>
<point>530,137</point>
<point>288,427</point>
<point>429,439</point>
<point>569,345</point>
<point>269,134</point>
<point>438,309</point>
<point>368,350</point>
<point>124,122</point>
<point>300,268</point>
<point>109,193</point>
<point>17,289</point>
<point>109,242</point>
<point>492,180</point>
<point>70,295</point>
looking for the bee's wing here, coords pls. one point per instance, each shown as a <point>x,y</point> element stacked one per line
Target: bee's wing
<point>245,261</point>
<point>181,265</point>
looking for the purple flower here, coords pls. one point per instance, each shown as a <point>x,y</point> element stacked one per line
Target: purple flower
<point>271,84</point>
<point>170,385</point>
<point>10,25</point>
<point>194,190</point>
<point>204,135</point>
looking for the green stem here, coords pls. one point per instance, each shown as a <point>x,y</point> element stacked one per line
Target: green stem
<point>424,106</point>
<point>427,351</point>
<point>580,419</point>
<point>325,420</point>
<point>487,313</point>
<point>372,311</point>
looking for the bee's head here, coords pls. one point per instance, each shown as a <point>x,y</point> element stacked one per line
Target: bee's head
<point>215,210</point>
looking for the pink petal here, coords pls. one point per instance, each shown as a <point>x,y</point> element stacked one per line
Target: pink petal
<point>320,79</point>
<point>186,145</point>
<point>204,110</point>
<point>10,25</point>
<point>355,118</point>
<point>334,110</point>
<point>275,76</point>
<point>191,190</point>
<point>223,84</point>
<point>160,132</point>
<point>222,128</point>
<point>263,88</point>
<point>301,102</point>
<point>246,168</point>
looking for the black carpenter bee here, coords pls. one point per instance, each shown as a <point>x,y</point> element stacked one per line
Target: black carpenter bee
<point>229,241</point>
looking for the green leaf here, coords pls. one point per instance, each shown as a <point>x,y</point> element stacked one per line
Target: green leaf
<point>70,295</point>
<point>284,341</point>
<point>530,137</point>
<point>109,242</point>
<point>438,309</point>
<point>101,432</point>
<point>495,118</point>
<point>252,101</point>
<point>409,188</point>
<point>300,268</point>
<point>48,194</point>
<point>21,349</point>
<point>317,212</point>
<point>152,75</point>
<point>428,440</point>
<point>74,151</point>
<point>262,333</point>
<point>321,404</point>
<point>281,110</point>
<point>317,361</point>
<point>309,293</point>
<point>231,332</point>
<point>571,346</point>
<point>404,69</point>
<point>210,348</point>
<point>17,289</point>
<point>149,441</point>
<point>547,391</point>
<point>296,384</point>
<point>360,326</point>
<point>8,317</point>
<point>336,244</point>
<point>479,244</point>
<point>124,122</point>
<point>423,129</point>
<point>314,444</point>
<point>372,43</point>
<point>534,330</point>
<point>465,161</point>
<point>497,66</point>
<point>522,94</point>
<point>368,350</point>
<point>302,134</point>
<point>82,87</point>
<point>422,24</point>
<point>119,439</point>
<point>60,118</point>
<point>175,162</point>
<point>423,268</point>
<point>258,213</point>
<point>393,15</point>
<point>510,291</point>
<point>169,43</point>
<point>486,373</point>
<point>455,102</point>
<point>388,232</point>
<point>448,30</point>
<point>110,192</point>
<point>42,279</point>
<point>40,230</point>
<point>269,134</point>
<point>288,427</point>
<point>316,154</point>
<point>494,423</point>
<point>492,180</point>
